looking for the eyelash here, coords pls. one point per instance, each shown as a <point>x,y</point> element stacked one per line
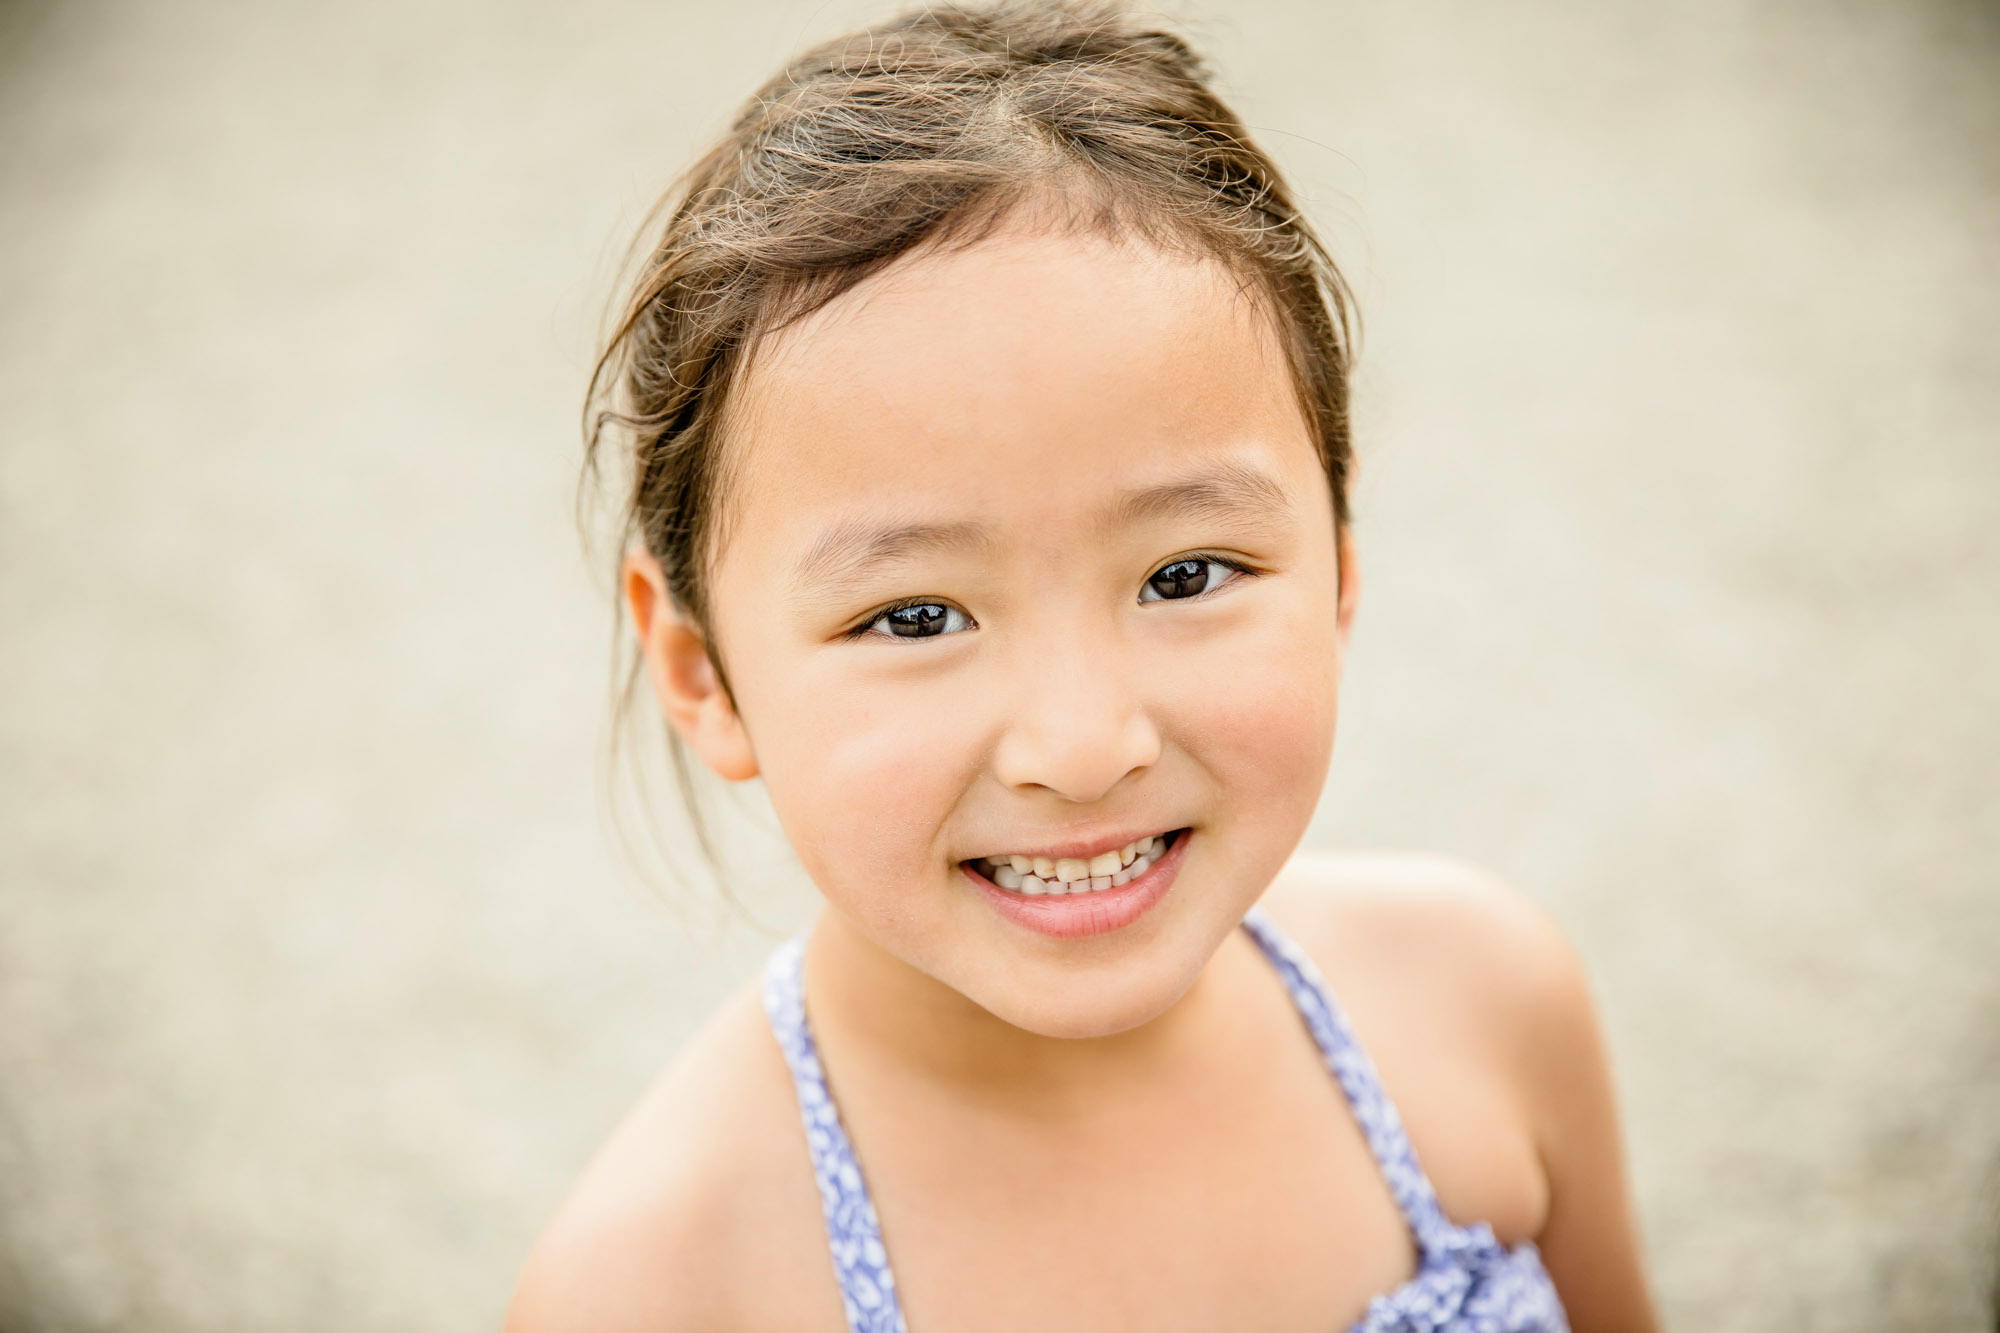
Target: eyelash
<point>863,630</point>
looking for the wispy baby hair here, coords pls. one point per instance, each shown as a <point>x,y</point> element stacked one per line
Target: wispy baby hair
<point>929,129</point>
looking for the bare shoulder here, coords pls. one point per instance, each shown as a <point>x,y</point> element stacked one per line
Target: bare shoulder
<point>1447,927</point>
<point>699,1189</point>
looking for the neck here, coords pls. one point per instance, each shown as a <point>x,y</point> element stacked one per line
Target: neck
<point>876,1006</point>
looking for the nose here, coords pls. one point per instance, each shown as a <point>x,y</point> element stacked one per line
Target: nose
<point>1078,727</point>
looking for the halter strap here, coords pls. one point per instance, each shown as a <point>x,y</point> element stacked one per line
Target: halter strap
<point>853,1232</point>
<point>1355,1072</point>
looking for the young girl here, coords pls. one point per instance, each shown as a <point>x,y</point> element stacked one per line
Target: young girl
<point>987,407</point>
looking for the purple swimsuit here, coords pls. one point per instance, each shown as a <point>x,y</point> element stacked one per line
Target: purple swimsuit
<point>1466,1281</point>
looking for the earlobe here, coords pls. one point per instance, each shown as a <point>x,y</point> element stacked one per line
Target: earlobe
<point>683,675</point>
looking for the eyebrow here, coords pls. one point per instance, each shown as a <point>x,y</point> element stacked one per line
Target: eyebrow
<point>1233,492</point>
<point>850,551</point>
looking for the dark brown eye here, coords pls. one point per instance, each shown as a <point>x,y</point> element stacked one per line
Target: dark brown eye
<point>1182,578</point>
<point>916,622</point>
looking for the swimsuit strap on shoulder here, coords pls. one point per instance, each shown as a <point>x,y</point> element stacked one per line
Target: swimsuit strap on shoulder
<point>861,1264</point>
<point>1373,1111</point>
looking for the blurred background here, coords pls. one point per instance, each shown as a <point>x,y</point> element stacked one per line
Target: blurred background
<point>320,974</point>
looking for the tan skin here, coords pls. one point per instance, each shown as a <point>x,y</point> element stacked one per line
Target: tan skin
<point>1127,1131</point>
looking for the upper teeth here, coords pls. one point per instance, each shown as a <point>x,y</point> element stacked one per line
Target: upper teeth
<point>1040,874</point>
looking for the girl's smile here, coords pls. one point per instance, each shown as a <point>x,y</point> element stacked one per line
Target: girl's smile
<point>1069,892</point>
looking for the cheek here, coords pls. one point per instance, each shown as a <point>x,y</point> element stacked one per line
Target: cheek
<point>862,786</point>
<point>1262,722</point>
<point>861,765</point>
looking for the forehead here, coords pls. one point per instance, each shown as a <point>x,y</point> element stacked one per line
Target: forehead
<point>1031,367</point>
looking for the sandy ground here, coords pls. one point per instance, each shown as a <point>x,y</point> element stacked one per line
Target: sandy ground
<point>318,975</point>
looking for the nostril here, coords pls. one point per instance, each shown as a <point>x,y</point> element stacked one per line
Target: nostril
<point>1079,752</point>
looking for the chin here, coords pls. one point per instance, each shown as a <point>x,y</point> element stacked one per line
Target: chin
<point>1072,1025</point>
<point>1082,1007</point>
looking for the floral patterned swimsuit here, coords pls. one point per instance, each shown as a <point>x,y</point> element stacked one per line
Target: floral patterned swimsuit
<point>1466,1281</point>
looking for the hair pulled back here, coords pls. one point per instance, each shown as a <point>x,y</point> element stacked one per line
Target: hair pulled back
<point>927,129</point>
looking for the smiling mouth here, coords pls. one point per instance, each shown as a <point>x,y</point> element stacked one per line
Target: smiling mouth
<point>1042,876</point>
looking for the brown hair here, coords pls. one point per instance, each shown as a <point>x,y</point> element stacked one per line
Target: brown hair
<point>927,129</point>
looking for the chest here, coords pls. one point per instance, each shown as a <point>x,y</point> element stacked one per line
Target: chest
<point>1242,1195</point>
<point>1220,1207</point>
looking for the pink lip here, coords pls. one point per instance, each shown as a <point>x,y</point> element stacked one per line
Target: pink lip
<point>1073,915</point>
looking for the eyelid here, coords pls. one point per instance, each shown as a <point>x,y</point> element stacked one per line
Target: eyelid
<point>1207,557</point>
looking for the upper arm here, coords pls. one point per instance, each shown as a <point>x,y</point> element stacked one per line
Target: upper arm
<point>1531,985</point>
<point>1590,1243</point>
<point>687,1196</point>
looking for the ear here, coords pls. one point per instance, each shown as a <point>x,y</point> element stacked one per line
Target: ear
<point>1350,589</point>
<point>683,674</point>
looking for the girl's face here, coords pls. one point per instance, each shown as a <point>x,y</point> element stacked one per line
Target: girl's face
<point>1027,552</point>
